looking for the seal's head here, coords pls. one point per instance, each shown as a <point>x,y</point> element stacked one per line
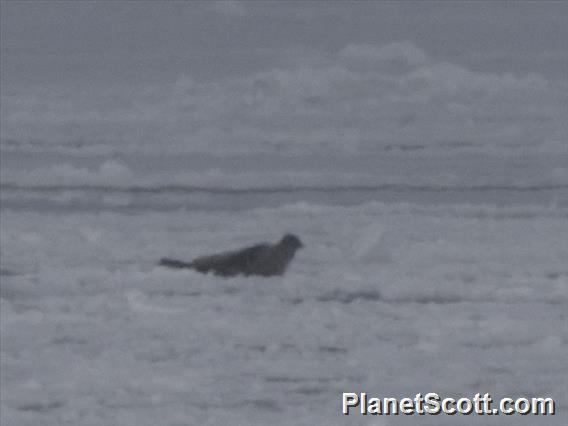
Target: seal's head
<point>291,241</point>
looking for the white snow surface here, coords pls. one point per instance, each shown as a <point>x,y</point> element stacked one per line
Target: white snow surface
<point>388,299</point>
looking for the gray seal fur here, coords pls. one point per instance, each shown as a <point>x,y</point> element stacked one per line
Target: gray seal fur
<point>261,259</point>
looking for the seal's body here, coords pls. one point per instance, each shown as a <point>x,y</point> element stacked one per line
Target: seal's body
<point>261,259</point>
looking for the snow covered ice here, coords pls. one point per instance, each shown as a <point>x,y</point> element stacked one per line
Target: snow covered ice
<point>419,150</point>
<point>391,299</point>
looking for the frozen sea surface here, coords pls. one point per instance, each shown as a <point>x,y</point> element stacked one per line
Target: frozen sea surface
<point>390,299</point>
<point>431,195</point>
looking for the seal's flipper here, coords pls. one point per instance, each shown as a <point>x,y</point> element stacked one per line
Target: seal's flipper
<point>173,263</point>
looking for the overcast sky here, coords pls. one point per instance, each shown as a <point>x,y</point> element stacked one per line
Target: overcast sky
<point>103,42</point>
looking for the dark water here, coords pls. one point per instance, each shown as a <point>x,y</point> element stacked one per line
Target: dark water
<point>99,198</point>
